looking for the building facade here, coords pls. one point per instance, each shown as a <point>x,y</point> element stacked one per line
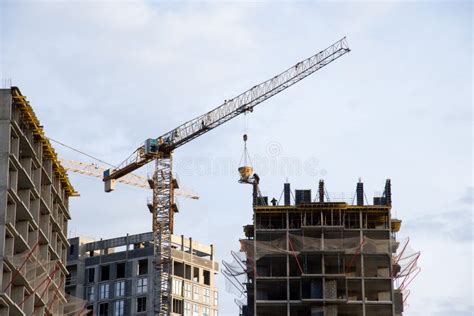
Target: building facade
<point>322,258</point>
<point>34,214</point>
<point>114,276</point>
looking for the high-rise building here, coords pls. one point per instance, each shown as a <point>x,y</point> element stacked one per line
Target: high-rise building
<point>34,214</point>
<point>320,257</point>
<point>114,276</point>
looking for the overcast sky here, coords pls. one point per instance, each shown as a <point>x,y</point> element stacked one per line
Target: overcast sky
<point>104,77</point>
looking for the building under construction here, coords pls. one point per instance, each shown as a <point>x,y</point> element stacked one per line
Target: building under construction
<point>114,276</point>
<point>320,257</point>
<point>34,199</point>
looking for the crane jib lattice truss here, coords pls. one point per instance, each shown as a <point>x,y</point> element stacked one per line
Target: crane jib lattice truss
<point>161,149</point>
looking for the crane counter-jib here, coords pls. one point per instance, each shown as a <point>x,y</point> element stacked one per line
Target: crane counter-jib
<point>231,108</point>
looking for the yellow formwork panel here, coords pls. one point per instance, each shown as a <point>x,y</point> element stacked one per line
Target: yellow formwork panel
<point>327,206</point>
<point>29,117</point>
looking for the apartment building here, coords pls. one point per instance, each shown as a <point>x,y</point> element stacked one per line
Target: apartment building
<point>322,257</point>
<point>34,213</point>
<point>114,276</point>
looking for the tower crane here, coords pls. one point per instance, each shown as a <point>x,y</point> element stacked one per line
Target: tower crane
<point>161,151</point>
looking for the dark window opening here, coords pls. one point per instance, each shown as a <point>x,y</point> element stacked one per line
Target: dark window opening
<point>91,275</point>
<point>207,277</point>
<point>187,272</point>
<point>104,309</point>
<point>312,288</point>
<point>71,250</point>
<point>312,264</point>
<point>295,290</point>
<point>271,291</point>
<point>178,269</point>
<point>104,273</point>
<point>333,264</point>
<point>141,304</point>
<point>271,266</point>
<point>178,306</point>
<point>120,270</point>
<point>296,265</point>
<point>142,266</point>
<point>196,275</point>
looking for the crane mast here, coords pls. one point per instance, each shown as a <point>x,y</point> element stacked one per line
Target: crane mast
<point>161,150</point>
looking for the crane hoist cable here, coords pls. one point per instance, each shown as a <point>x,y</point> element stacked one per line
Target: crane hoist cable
<point>246,167</point>
<point>81,152</point>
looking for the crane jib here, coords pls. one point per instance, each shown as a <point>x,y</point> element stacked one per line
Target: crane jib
<point>231,108</point>
<point>160,149</point>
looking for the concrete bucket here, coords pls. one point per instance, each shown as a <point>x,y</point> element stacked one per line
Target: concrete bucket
<point>245,173</point>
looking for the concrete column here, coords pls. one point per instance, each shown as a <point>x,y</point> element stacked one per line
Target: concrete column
<point>5,116</point>
<point>254,262</point>
<point>362,265</point>
<point>287,265</point>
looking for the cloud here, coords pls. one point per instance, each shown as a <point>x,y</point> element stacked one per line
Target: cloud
<point>456,225</point>
<point>468,197</point>
<point>452,306</point>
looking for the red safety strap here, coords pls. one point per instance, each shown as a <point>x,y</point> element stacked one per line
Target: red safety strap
<point>17,271</point>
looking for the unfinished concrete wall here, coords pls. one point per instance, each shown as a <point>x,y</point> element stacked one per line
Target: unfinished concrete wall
<point>34,193</point>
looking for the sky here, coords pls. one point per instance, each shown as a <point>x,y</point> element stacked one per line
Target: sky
<point>104,76</point>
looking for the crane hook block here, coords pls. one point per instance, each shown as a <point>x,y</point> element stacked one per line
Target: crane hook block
<point>245,137</point>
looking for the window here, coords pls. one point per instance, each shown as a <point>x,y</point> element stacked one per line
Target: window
<point>119,288</point>
<point>188,290</point>
<point>196,293</point>
<point>71,250</point>
<point>104,273</point>
<point>207,296</point>
<point>187,272</point>
<point>195,310</point>
<point>119,308</point>
<point>141,304</point>
<point>177,287</point>
<point>142,267</point>
<point>104,309</point>
<point>177,306</point>
<point>142,285</point>
<point>207,277</point>
<point>178,269</point>
<point>196,275</point>
<point>120,270</point>
<point>90,275</point>
<point>187,309</point>
<point>103,291</point>
<point>205,311</point>
<point>216,296</point>
<point>90,294</point>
